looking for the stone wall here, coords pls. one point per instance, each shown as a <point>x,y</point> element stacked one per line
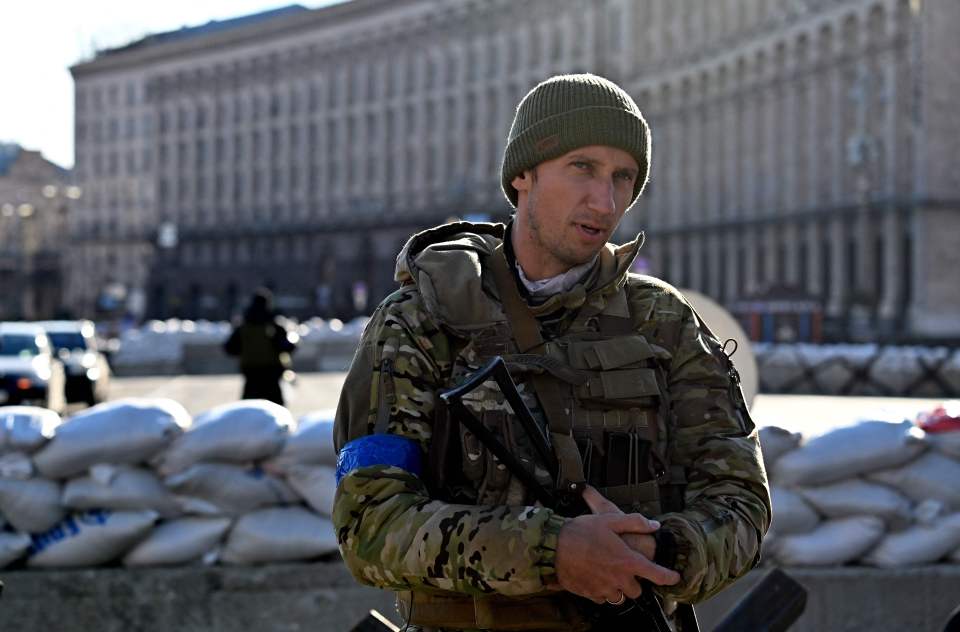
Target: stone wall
<point>324,597</point>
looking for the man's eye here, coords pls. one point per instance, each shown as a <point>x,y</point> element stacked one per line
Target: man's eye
<point>581,165</point>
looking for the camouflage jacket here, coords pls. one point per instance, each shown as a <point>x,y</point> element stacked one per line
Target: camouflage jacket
<point>393,535</point>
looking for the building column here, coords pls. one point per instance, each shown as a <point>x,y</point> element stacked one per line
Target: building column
<point>814,259</point>
<point>936,294</point>
<point>836,302</point>
<point>751,280</point>
<point>892,290</point>
<point>730,249</point>
<point>695,244</point>
<point>791,243</point>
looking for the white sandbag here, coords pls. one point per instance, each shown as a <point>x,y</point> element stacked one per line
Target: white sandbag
<point>125,431</point>
<point>947,443</point>
<point>12,547</point>
<point>16,465</point>
<point>178,542</point>
<point>239,432</point>
<point>120,487</point>
<point>848,452</point>
<point>90,538</point>
<point>32,506</point>
<point>233,489</point>
<point>311,444</point>
<point>316,484</point>
<point>920,544</point>
<point>833,543</point>
<point>279,534</point>
<point>932,476</point>
<point>791,513</point>
<point>26,428</point>
<point>775,442</point>
<point>857,497</point>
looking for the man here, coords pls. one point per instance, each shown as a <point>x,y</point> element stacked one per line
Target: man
<point>264,346</point>
<point>637,395</point>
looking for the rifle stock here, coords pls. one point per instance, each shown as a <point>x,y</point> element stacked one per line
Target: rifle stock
<point>773,605</point>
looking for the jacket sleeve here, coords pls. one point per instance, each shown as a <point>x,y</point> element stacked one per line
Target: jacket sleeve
<point>391,533</point>
<point>727,500</point>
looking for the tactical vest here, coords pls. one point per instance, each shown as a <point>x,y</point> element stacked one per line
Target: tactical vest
<point>600,388</point>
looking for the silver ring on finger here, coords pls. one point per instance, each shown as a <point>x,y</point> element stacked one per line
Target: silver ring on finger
<point>618,602</point>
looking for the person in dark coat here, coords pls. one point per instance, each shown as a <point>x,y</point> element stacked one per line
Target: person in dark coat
<point>264,346</point>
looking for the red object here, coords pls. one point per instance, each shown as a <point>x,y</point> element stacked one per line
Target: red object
<point>23,383</point>
<point>939,420</point>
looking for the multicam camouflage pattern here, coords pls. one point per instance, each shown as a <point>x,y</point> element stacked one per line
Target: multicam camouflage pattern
<point>424,336</point>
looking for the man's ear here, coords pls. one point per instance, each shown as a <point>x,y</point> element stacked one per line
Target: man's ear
<point>523,181</point>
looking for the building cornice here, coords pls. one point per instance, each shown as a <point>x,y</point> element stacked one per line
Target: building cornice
<point>278,28</point>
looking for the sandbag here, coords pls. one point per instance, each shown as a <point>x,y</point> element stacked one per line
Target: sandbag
<point>125,431</point>
<point>932,476</point>
<point>947,443</point>
<point>279,534</point>
<point>791,513</point>
<point>233,489</point>
<point>316,484</point>
<point>857,497</point>
<point>32,506</point>
<point>12,547</point>
<point>120,487</point>
<point>178,542</point>
<point>26,428</point>
<point>16,465</point>
<point>850,451</point>
<point>311,444</point>
<point>920,544</point>
<point>775,442</point>
<point>833,543</point>
<point>89,538</point>
<point>239,432</point>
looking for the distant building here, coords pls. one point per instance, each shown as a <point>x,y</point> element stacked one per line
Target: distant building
<point>34,200</point>
<point>796,145</point>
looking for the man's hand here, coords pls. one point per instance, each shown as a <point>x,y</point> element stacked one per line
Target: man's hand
<point>593,560</point>
<point>599,504</point>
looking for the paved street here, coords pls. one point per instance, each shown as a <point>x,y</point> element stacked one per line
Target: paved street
<point>809,414</point>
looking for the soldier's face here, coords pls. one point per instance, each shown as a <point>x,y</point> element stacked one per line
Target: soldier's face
<point>568,207</point>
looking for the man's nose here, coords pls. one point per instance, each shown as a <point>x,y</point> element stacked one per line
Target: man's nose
<point>602,199</point>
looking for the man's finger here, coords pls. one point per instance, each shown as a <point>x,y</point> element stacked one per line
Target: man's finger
<point>632,523</point>
<point>645,569</point>
<point>597,503</point>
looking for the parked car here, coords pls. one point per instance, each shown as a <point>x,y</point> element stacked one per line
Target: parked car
<point>88,372</point>
<point>30,373</point>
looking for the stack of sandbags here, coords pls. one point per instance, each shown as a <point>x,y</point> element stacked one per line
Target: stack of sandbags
<point>308,461</point>
<point>27,503</point>
<point>873,492</point>
<point>90,496</point>
<point>138,481</point>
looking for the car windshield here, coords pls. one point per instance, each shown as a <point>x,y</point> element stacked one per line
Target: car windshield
<point>18,345</point>
<point>69,340</point>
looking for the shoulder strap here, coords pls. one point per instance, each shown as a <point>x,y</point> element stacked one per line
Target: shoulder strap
<point>526,332</point>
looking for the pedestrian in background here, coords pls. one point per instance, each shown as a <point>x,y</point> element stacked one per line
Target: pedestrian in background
<point>264,347</point>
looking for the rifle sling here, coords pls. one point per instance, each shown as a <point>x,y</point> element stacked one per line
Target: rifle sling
<point>526,332</point>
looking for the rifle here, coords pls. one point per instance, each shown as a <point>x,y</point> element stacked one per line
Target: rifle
<point>643,613</point>
<point>773,605</point>
<point>374,622</point>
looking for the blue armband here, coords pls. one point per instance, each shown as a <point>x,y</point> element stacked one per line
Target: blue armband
<point>379,449</point>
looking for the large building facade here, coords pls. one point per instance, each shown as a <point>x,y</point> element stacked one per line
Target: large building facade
<point>799,145</point>
<point>35,198</point>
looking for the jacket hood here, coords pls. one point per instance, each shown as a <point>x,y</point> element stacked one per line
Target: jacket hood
<point>447,265</point>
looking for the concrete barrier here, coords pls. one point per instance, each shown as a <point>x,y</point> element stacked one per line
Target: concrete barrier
<point>324,597</point>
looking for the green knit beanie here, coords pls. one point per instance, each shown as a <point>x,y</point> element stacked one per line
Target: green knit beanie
<point>569,111</point>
